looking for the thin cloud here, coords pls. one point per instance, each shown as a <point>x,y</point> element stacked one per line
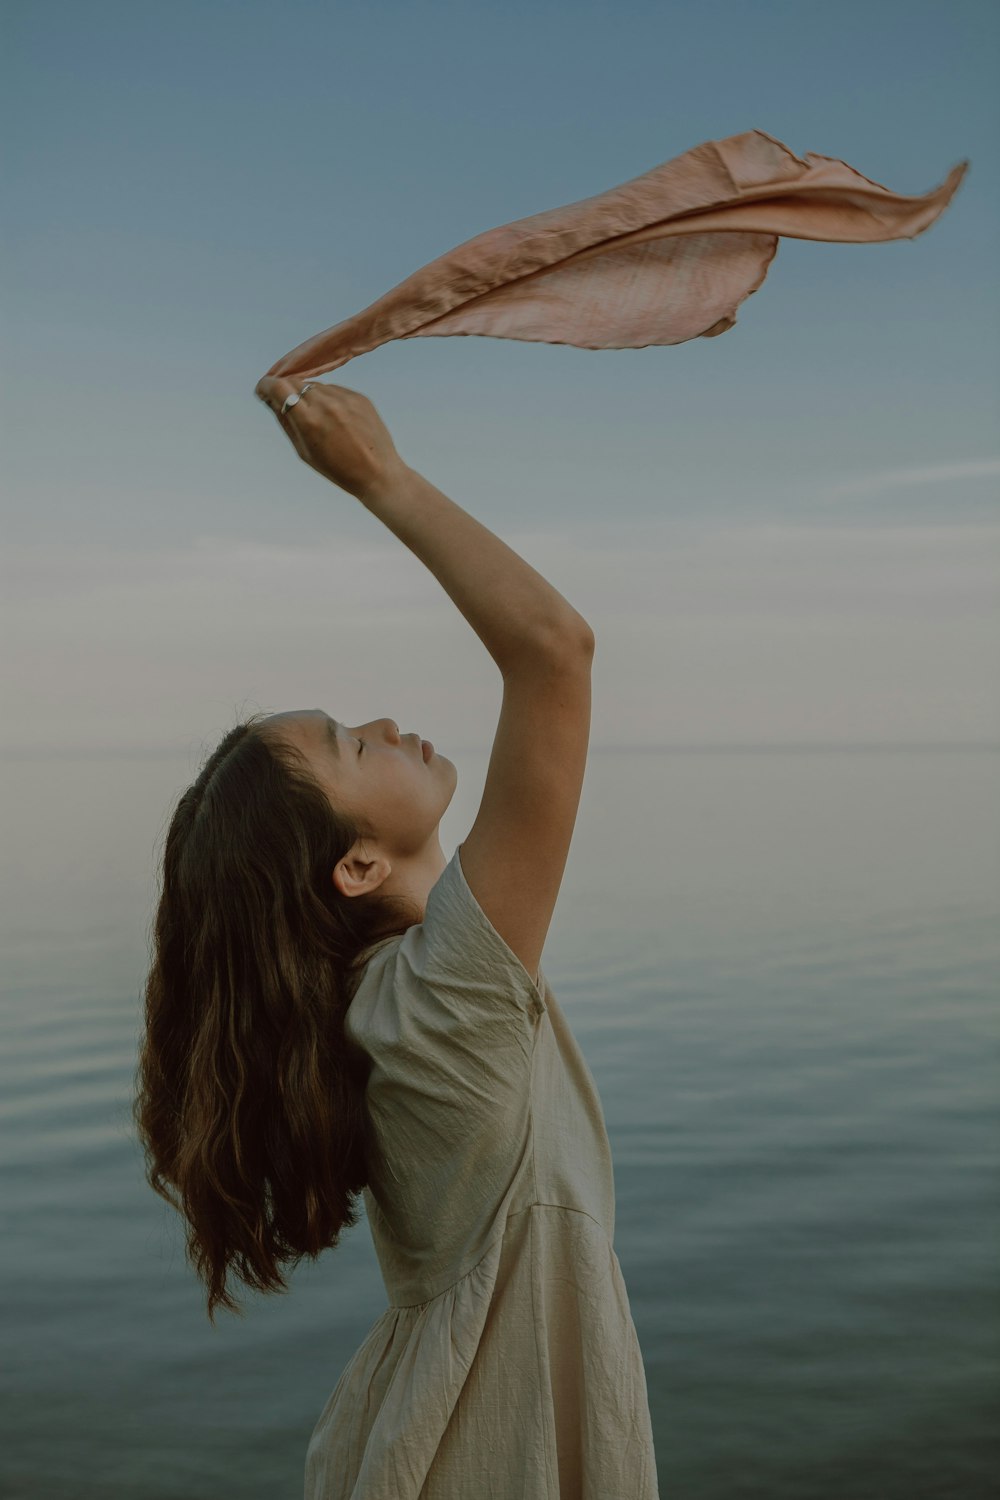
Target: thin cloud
<point>893,479</point>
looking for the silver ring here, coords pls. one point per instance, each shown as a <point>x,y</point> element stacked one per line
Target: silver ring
<point>296,396</point>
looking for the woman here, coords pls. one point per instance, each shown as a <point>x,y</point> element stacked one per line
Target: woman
<point>335,1009</point>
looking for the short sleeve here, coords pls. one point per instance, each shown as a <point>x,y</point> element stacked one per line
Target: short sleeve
<point>460,951</point>
<point>448,1010</point>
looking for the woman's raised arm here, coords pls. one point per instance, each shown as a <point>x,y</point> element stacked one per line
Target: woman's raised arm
<point>514,610</point>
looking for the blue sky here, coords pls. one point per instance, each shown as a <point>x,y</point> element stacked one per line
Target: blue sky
<point>785,534</point>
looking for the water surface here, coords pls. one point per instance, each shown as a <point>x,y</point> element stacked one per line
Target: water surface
<point>783,969</point>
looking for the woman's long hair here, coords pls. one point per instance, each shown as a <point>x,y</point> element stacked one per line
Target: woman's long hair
<point>249,1098</point>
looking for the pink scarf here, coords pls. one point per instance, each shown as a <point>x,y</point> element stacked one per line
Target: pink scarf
<point>666,257</point>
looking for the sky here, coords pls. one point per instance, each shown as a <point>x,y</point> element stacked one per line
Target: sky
<point>788,534</point>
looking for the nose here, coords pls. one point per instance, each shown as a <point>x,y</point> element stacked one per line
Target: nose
<point>393,730</point>
<point>399,738</point>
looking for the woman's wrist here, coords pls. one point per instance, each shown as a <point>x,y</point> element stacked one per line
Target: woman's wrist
<point>383,485</point>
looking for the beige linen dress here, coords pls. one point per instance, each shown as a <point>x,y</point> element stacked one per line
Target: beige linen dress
<point>507,1363</point>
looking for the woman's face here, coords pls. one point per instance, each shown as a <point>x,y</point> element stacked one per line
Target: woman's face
<point>376,776</point>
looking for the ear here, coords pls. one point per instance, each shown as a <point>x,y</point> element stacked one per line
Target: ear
<point>356,876</point>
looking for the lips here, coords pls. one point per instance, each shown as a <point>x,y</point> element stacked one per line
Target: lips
<point>426,749</point>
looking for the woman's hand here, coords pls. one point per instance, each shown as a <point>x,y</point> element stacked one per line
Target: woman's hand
<point>336,431</point>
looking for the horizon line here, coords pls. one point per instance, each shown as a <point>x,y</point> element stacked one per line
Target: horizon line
<point>162,751</point>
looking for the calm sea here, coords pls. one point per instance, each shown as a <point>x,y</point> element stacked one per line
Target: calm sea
<point>783,968</point>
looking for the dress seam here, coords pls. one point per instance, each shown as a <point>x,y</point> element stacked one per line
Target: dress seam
<point>565,1207</point>
<point>426,1301</point>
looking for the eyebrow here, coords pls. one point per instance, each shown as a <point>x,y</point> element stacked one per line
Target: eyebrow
<point>332,726</point>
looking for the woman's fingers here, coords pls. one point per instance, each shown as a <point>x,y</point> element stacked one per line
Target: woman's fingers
<point>334,429</point>
<point>273,391</point>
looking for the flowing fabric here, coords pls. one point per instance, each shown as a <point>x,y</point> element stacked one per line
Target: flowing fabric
<point>663,258</point>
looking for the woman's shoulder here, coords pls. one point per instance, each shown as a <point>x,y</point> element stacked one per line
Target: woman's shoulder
<point>463,935</point>
<point>452,973</point>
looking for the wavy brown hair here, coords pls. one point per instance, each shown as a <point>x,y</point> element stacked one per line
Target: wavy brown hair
<point>249,1098</point>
